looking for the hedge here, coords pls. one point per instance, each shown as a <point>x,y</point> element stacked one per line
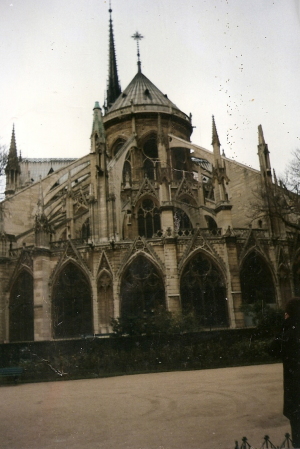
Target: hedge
<point>101,357</point>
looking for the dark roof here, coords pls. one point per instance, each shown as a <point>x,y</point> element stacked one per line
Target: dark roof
<point>141,91</point>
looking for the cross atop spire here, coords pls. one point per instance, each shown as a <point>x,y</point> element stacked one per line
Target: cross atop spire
<point>113,85</point>
<point>137,37</point>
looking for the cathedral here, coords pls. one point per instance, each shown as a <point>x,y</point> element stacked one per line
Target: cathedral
<point>146,222</point>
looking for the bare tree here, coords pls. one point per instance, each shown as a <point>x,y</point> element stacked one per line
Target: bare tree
<point>292,174</point>
<point>280,198</point>
<point>3,159</point>
<point>3,162</point>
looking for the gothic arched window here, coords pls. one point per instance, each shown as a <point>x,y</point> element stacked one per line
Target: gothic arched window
<point>182,223</point>
<point>150,152</point>
<point>142,289</point>
<point>211,224</point>
<point>180,162</point>
<point>256,280</point>
<point>21,327</point>
<point>117,146</point>
<point>203,292</point>
<point>150,148</point>
<point>126,175</point>
<point>148,219</point>
<point>72,304</point>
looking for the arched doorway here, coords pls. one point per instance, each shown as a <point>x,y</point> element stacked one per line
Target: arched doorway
<point>256,280</point>
<point>21,315</point>
<point>142,289</point>
<point>72,304</point>
<point>203,292</point>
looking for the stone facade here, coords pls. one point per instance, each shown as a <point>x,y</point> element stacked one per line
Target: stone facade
<point>145,222</point>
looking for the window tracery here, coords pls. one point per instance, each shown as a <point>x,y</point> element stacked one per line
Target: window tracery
<point>148,219</point>
<point>182,223</point>
<point>142,289</point>
<point>203,292</point>
<point>150,153</point>
<point>180,163</point>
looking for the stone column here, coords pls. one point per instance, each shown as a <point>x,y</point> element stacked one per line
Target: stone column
<point>172,280</point>
<point>42,300</point>
<point>236,316</point>
<point>5,272</point>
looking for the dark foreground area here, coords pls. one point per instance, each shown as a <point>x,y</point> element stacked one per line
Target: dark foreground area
<point>175,410</point>
<point>102,357</point>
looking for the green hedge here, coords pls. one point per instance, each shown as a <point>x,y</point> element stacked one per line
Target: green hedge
<point>101,357</point>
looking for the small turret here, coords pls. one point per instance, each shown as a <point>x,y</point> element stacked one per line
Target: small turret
<point>98,133</point>
<point>219,166</point>
<point>215,138</point>
<point>264,158</point>
<point>12,169</point>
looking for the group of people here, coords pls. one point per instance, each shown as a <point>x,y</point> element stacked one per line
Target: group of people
<point>287,346</point>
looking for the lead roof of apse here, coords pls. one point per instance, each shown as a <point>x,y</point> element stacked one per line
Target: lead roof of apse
<point>141,91</point>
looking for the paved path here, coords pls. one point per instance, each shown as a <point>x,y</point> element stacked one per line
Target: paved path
<point>178,410</point>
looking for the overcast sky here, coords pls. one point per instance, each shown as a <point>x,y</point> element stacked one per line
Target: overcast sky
<point>236,59</point>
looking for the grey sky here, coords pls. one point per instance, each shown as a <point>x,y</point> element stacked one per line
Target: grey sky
<point>238,60</point>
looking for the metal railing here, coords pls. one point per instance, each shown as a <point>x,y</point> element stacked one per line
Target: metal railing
<point>267,443</point>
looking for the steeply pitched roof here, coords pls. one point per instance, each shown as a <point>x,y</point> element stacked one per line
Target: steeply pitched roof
<point>141,91</point>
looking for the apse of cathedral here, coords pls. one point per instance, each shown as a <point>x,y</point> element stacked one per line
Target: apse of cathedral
<point>146,222</point>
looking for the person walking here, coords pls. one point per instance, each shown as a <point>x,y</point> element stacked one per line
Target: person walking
<point>287,346</point>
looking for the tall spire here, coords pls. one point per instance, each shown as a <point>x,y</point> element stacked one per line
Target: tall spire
<point>12,169</point>
<point>264,155</point>
<point>113,85</point>
<point>261,139</point>
<point>13,161</point>
<point>215,137</point>
<point>13,145</point>
<point>137,37</point>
